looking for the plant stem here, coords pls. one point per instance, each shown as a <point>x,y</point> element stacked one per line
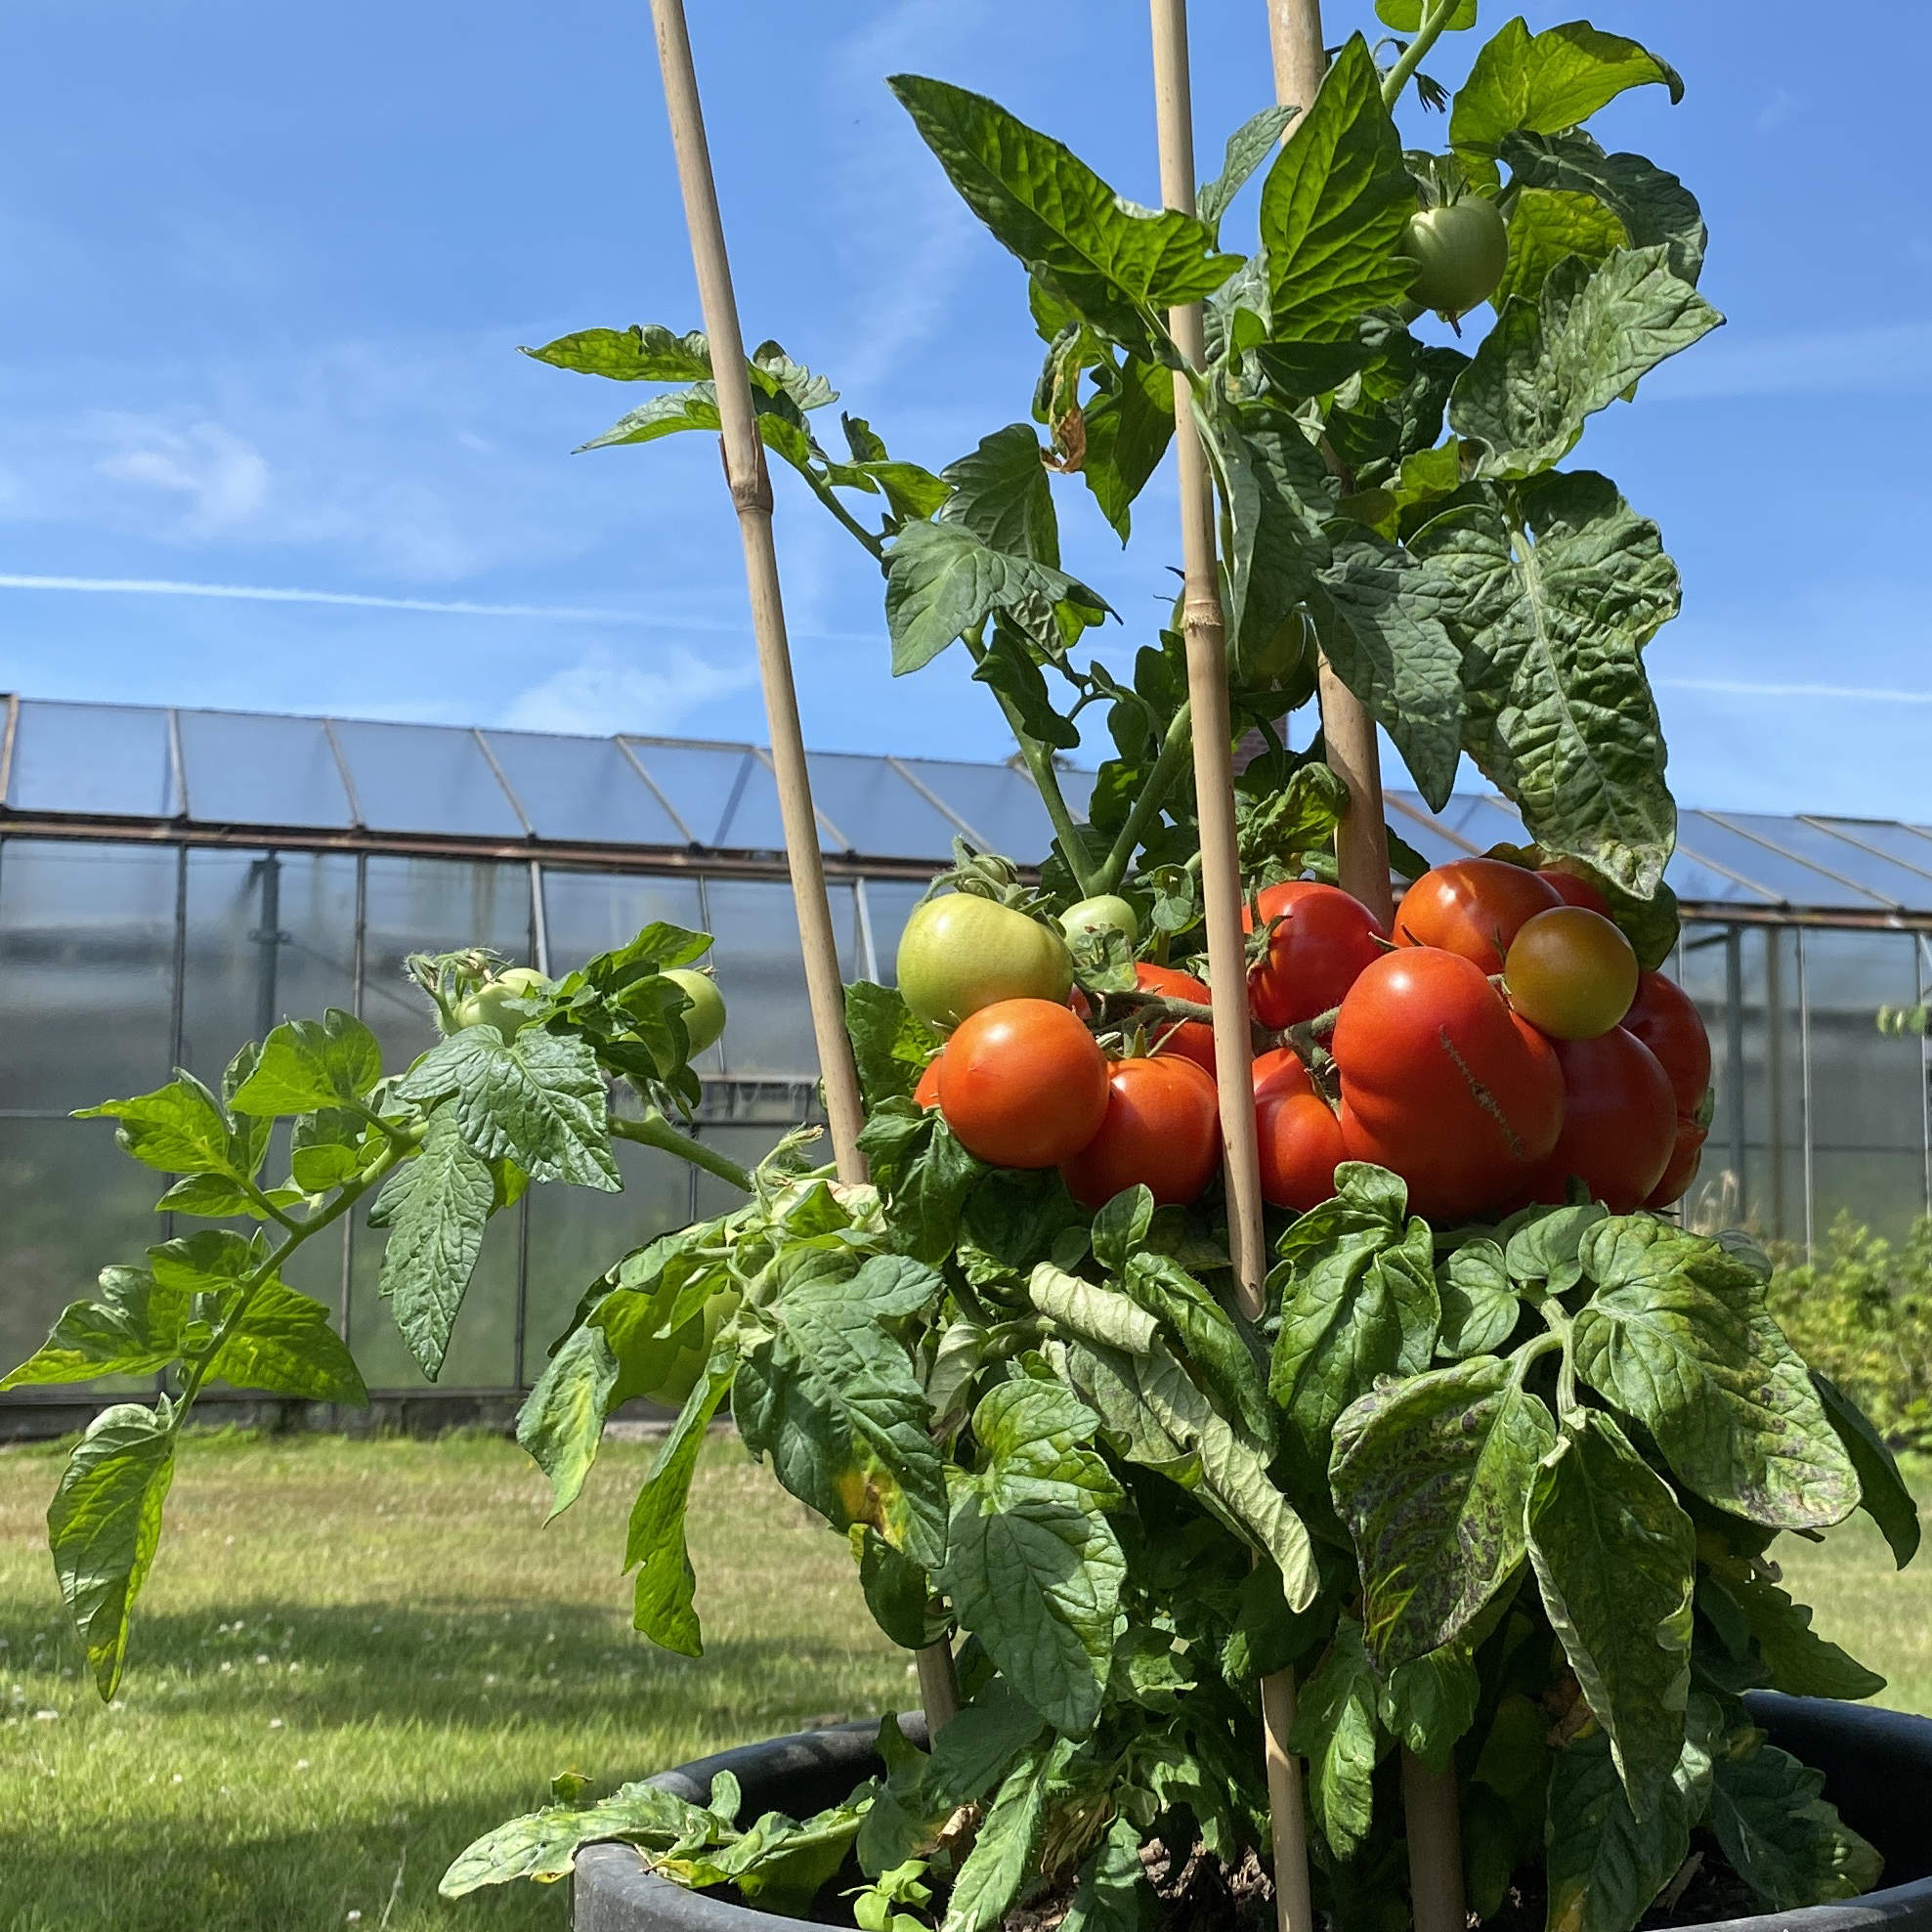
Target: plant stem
<point>1040,763</point>
<point>655,1131</point>
<point>1173,756</point>
<point>823,491</point>
<point>1164,1005</point>
<point>1434,21</point>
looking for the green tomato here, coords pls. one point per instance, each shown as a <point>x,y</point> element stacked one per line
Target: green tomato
<point>703,1018</point>
<point>960,952</point>
<point>1108,912</point>
<point>487,1005</point>
<point>690,1348</point>
<point>1461,252</point>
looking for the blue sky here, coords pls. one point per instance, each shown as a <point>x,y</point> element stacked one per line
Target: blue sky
<point>263,272</point>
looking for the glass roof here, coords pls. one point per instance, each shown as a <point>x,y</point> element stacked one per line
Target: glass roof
<point>241,769</point>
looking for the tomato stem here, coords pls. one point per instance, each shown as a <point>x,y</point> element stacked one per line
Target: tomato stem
<point>1175,748</point>
<point>1434,18</point>
<point>655,1131</point>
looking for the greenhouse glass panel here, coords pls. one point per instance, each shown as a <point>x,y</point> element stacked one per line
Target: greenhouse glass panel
<point>433,905</point>
<point>106,758</point>
<point>700,782</point>
<point>1481,820</point>
<point>87,937</point>
<point>1868,880</point>
<point>247,768</point>
<point>1000,804</point>
<point>587,913</point>
<point>424,778</point>
<point>1789,879</point>
<point>482,1344</point>
<point>1690,876</point>
<point>878,812</point>
<point>890,903</point>
<point>754,822</point>
<point>1910,850</point>
<point>581,789</point>
<point>270,937</point>
<point>1415,828</point>
<point>748,1146</point>
<point>761,972</point>
<point>74,1204</point>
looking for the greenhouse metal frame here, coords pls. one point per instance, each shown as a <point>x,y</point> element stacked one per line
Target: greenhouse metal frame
<point>172,882</point>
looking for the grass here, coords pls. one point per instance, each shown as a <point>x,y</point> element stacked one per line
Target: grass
<point>353,1657</point>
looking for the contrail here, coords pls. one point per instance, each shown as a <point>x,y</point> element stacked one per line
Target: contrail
<point>1739,688</point>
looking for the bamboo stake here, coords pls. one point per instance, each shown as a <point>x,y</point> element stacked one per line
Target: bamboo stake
<point>750,493</point>
<point>1221,891</point>
<point>1362,855</point>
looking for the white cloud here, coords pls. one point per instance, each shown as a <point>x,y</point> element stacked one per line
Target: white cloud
<point>603,693</point>
<point>222,478</point>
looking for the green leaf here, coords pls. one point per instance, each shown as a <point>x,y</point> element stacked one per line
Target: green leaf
<point>1546,82</point>
<point>1032,1566</point>
<point>1800,1662</point>
<point>1615,1558</point>
<point>134,1328</point>
<point>537,1099</point>
<point>283,1344</point>
<point>1001,494</point>
<point>1357,1292</point>
<point>1883,1490</point>
<point>213,1198</point>
<point>1428,1702</point>
<point>435,1207</point>
<point>1127,429</point>
<point>1653,205</point>
<point>1274,493</point>
<point>1222,1354</point>
<point>1606,1862</point>
<point>890,1044</point>
<point>918,1165</point>
<point>1783,1839</point>
<point>561,1423</point>
<point>1002,1856</point>
<point>1248,147</point>
<point>646,353</point>
<point>1677,1335</point>
<point>1390,649</point>
<point>1551,607</point>
<point>1545,1243</point>
<point>1405,16</point>
<point>1112,1893</point>
<point>897,1592</point>
<point>179,1129</point>
<point>1548,365</point>
<point>331,1146</point>
<point>1120,1229</point>
<point>1479,1305</point>
<point>1335,1730</point>
<point>1008,669</point>
<point>655,1540</point>
<point>1289,821</point>
<point>941,581</point>
<point>1334,207</point>
<point>1547,224</point>
<point>1102,1315</point>
<point>105,1523</point>
<point>1431,1477</point>
<point>980,1745</point>
<point>1116,265</point>
<point>310,1063</point>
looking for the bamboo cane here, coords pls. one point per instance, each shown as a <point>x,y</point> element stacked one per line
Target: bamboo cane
<point>1202,627</point>
<point>1361,854</point>
<point>750,493</point>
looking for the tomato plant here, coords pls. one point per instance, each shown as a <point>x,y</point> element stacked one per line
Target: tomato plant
<point>1619,1124</point>
<point>1475,907</point>
<point>1023,1084</point>
<point>1161,1131</point>
<point>1299,1136</point>
<point>1460,251</point>
<point>1319,939</point>
<point>1664,1019</point>
<point>960,952</point>
<point>1571,973</point>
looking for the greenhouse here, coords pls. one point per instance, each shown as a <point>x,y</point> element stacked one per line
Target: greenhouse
<point>173,881</point>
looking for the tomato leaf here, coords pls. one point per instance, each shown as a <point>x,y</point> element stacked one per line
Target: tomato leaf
<point>307,1063</point>
<point>1007,667</point>
<point>1545,82</point>
<point>1547,224</point>
<point>1274,494</point>
<point>924,1173</point>
<point>105,1523</point>
<point>897,1592</point>
<point>1882,1491</point>
<point>1591,333</point>
<point>1116,265</point>
<point>1032,1566</point>
<point>1801,1662</point>
<point>645,351</point>
<point>889,1042</point>
<point>1678,1336</point>
<point>1781,1837</point>
<point>1480,1305</point>
<point>1405,16</point>
<point>1334,206</point>
<point>1248,147</point>
<point>1221,1352</point>
<point>1001,493</point>
<point>179,1128</point>
<point>134,1328</point>
<point>1431,1477</point>
<point>435,1208</point>
<point>1002,1856</point>
<point>1111,1893</point>
<point>1428,1702</point>
<point>283,1344</point>
<point>561,1423</point>
<point>1653,205</point>
<point>666,1584</point>
<point>1615,1558</point>
<point>1606,1862</point>
<point>1127,429</point>
<point>1334,1729</point>
<point>1551,596</point>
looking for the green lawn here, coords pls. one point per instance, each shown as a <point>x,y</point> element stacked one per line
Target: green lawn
<point>354,1656</point>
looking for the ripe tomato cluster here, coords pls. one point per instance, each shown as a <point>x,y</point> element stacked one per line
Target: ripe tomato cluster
<point>1499,1044</point>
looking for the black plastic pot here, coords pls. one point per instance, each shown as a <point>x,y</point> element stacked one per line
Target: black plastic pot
<point>1877,1766</point>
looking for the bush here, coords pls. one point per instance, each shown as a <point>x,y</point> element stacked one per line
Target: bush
<point>1862,1313</point>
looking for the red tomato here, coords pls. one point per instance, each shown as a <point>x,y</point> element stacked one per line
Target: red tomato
<point>1162,1131</point>
<point>1265,1065</point>
<point>1078,1001</point>
<point>1192,1039</point>
<point>1297,1135</point>
<point>1573,889</point>
<point>927,1093</point>
<point>1619,1122</point>
<point>1023,1084</point>
<point>1473,907</point>
<point>1685,1156</point>
<point>1444,1085</point>
<point>1324,940</point>
<point>1664,1019</point>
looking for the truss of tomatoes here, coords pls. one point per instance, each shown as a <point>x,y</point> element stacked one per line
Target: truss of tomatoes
<point>1499,1044</point>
